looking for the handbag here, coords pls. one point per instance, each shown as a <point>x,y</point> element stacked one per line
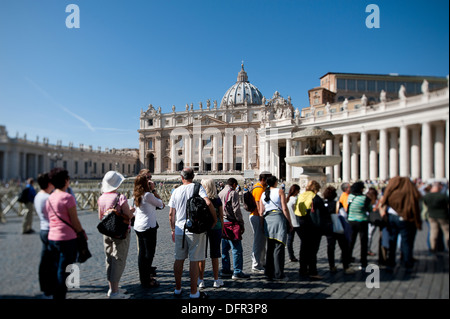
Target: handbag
<point>83,252</point>
<point>231,231</point>
<point>113,223</point>
<point>338,228</point>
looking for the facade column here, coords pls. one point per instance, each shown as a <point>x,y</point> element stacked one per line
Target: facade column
<point>373,156</point>
<point>200,157</point>
<point>225,152</point>
<point>393,154</point>
<point>267,158</point>
<point>346,158</point>
<point>337,167</point>
<point>245,151</point>
<point>354,158</point>
<point>364,156</point>
<point>439,156</point>
<point>426,151</point>
<point>383,155</point>
<point>415,152</point>
<point>329,151</point>
<point>404,152</point>
<point>159,155</point>
<point>214,164</point>
<point>288,153</point>
<point>447,173</point>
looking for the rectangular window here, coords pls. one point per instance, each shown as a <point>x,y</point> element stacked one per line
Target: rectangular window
<point>351,85</point>
<point>361,85</point>
<point>371,86</point>
<point>381,85</point>
<point>341,84</point>
<point>390,86</point>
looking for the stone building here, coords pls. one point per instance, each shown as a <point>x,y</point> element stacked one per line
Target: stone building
<point>21,158</point>
<point>400,131</point>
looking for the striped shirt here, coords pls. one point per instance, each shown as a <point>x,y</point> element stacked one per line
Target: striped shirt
<point>359,208</point>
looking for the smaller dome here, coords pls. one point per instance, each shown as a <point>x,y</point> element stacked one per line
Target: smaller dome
<point>242,91</point>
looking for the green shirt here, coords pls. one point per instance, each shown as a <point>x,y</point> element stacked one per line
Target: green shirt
<point>359,207</point>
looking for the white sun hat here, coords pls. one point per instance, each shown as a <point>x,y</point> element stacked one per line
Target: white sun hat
<point>112,181</point>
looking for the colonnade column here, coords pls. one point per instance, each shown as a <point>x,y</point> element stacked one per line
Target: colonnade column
<point>267,155</point>
<point>426,151</point>
<point>215,158</point>
<point>383,154</point>
<point>439,168</point>
<point>364,156</point>
<point>346,158</point>
<point>337,167</point>
<point>354,158</point>
<point>329,151</point>
<point>404,151</point>
<point>415,152</point>
<point>373,156</point>
<point>393,153</point>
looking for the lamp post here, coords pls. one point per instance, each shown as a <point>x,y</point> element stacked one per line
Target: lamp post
<point>54,158</point>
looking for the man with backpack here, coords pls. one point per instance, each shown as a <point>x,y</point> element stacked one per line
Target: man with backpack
<point>257,222</point>
<point>187,243</point>
<point>27,198</point>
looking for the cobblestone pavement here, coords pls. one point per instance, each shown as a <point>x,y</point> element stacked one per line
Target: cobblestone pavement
<point>20,255</point>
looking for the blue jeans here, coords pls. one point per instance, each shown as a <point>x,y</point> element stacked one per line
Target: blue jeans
<point>65,253</point>
<point>47,266</point>
<point>407,230</point>
<point>236,249</point>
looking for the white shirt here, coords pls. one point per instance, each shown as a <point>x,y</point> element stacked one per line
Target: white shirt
<point>145,215</point>
<point>275,200</point>
<point>291,207</point>
<point>178,201</point>
<point>39,204</point>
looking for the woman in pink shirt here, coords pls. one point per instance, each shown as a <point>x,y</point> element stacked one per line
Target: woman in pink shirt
<point>116,250</point>
<point>64,226</point>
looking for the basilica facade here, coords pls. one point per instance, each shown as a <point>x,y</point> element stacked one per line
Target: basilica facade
<point>246,133</point>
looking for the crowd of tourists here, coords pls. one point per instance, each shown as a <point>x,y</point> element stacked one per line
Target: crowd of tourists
<point>276,217</point>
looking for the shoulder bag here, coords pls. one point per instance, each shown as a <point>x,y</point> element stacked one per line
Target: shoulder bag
<point>113,223</point>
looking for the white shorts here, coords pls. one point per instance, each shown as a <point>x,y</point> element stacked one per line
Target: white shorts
<point>194,247</point>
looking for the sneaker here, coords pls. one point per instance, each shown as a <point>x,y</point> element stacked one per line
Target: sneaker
<point>240,275</point>
<point>257,271</point>
<point>333,270</point>
<point>121,290</point>
<point>119,295</point>
<point>349,271</point>
<point>201,295</point>
<point>200,283</point>
<point>177,294</point>
<point>218,283</point>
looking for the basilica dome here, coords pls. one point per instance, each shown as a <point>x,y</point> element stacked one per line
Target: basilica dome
<point>242,91</point>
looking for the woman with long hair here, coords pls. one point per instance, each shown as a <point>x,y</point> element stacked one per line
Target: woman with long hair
<point>146,200</point>
<point>277,224</point>
<point>214,235</point>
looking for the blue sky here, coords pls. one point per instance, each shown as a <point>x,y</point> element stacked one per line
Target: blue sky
<point>88,85</point>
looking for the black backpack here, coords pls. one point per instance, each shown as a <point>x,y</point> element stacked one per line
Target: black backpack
<point>249,200</point>
<point>23,196</point>
<point>198,215</point>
